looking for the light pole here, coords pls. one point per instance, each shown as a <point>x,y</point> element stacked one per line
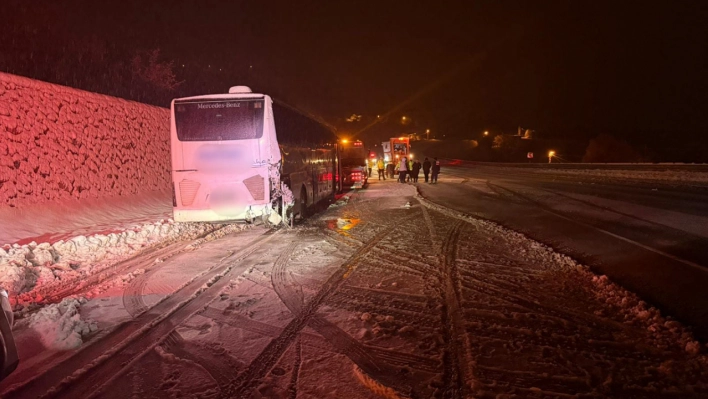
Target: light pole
<point>550,155</point>
<point>427,134</point>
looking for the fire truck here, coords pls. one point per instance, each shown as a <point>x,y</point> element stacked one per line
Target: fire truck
<point>353,157</point>
<point>396,148</point>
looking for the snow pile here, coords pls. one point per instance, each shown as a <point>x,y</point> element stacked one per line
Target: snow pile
<point>61,143</point>
<point>664,332</point>
<point>34,271</point>
<point>60,326</point>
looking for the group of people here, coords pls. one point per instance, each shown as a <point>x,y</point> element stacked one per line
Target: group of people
<point>409,170</point>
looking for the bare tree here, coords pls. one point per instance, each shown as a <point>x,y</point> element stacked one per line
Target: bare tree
<point>159,74</point>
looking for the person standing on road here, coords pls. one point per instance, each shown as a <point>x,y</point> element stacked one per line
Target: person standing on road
<point>426,169</point>
<point>402,170</point>
<point>409,177</point>
<point>436,171</point>
<point>390,169</point>
<point>380,166</point>
<point>415,170</point>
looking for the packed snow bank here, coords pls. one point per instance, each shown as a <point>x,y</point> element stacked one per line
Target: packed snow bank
<point>683,176</point>
<point>60,326</point>
<point>61,143</point>
<point>31,272</point>
<point>664,332</point>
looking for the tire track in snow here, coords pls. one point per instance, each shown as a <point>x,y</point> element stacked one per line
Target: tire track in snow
<point>416,264</point>
<point>295,374</point>
<point>285,287</point>
<point>143,259</point>
<point>531,359</point>
<point>317,341</point>
<point>260,366</point>
<point>538,343</point>
<point>389,266</point>
<point>133,294</point>
<point>403,312</point>
<point>219,366</point>
<point>457,358</point>
<point>89,370</point>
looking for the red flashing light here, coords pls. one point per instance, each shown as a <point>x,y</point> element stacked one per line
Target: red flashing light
<point>358,144</point>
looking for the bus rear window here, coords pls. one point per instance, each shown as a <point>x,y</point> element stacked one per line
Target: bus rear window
<point>218,120</point>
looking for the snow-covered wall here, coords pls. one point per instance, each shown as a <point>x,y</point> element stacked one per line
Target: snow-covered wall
<point>58,143</point>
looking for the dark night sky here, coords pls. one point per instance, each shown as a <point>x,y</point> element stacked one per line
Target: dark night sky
<point>574,68</point>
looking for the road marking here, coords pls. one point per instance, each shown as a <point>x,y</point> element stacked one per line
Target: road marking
<point>617,236</point>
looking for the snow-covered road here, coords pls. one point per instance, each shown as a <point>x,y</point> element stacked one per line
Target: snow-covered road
<point>384,295</point>
<point>650,236</point>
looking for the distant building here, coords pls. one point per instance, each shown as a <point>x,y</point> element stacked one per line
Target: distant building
<point>526,134</point>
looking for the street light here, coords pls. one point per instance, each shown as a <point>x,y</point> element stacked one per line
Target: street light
<point>550,155</point>
<point>427,134</point>
<point>486,133</point>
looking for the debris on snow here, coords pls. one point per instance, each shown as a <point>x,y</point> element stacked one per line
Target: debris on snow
<point>341,202</point>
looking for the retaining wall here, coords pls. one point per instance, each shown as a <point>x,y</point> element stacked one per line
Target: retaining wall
<point>58,143</point>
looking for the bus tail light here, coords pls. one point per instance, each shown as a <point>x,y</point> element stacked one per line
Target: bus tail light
<point>256,186</point>
<point>188,191</point>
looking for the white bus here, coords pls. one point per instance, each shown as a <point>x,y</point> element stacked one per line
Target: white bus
<point>237,157</point>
